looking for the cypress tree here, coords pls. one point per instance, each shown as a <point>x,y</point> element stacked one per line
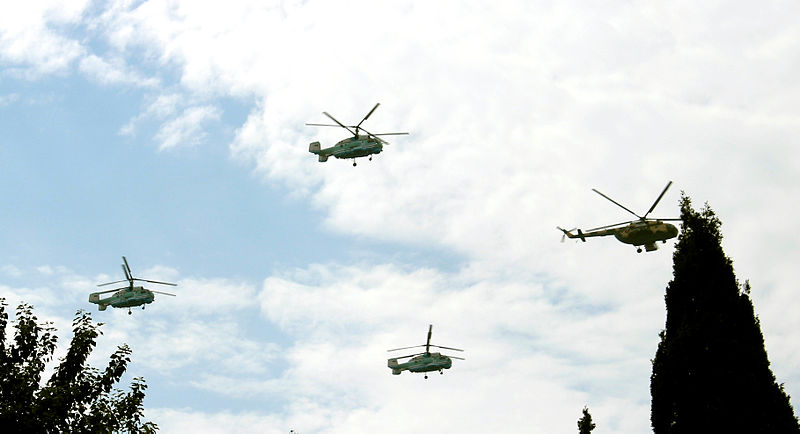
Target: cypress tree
<point>585,424</point>
<point>711,372</point>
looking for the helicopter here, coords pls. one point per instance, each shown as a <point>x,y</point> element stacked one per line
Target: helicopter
<point>360,145</point>
<point>423,362</point>
<point>129,296</point>
<point>642,232</point>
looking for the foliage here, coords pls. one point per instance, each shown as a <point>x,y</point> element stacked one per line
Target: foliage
<point>76,398</point>
<point>711,372</point>
<point>585,424</point>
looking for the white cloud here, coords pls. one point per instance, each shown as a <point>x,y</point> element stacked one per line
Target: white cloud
<point>528,348</point>
<point>192,421</point>
<point>113,72</point>
<point>28,35</point>
<point>516,110</point>
<point>186,129</point>
<point>11,270</point>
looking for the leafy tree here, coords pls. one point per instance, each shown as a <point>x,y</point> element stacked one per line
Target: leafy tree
<point>76,398</point>
<point>711,372</point>
<point>585,424</point>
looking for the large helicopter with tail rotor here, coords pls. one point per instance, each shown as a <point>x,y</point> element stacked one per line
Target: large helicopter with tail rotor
<point>642,232</point>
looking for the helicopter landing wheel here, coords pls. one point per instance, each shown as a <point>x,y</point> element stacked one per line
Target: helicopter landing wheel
<point>440,372</point>
<point>370,159</point>
<point>638,250</point>
<point>129,311</point>
<point>426,376</point>
<point>354,163</point>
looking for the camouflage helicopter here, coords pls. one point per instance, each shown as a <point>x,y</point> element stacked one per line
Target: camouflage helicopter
<point>642,232</point>
<point>423,362</point>
<point>129,296</point>
<point>360,145</point>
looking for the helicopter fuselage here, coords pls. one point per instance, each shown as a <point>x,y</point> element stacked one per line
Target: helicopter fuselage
<point>125,297</point>
<point>422,363</point>
<point>646,233</point>
<point>352,147</point>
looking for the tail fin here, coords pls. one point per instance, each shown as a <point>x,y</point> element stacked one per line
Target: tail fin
<point>393,364</point>
<point>568,234</point>
<point>315,148</point>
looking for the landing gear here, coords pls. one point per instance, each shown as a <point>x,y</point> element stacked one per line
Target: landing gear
<point>129,311</point>
<point>426,376</point>
<point>370,159</point>
<point>440,372</point>
<point>354,163</point>
<point>638,250</point>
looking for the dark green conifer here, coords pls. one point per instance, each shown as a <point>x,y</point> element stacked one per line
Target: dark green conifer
<point>585,424</point>
<point>711,372</point>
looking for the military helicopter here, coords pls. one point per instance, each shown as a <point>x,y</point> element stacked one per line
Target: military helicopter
<point>129,296</point>
<point>642,232</point>
<point>360,145</point>
<point>423,362</point>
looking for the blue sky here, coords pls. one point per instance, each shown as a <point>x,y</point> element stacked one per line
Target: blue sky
<point>173,133</point>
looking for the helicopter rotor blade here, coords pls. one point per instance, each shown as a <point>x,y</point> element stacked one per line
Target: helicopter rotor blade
<point>454,357</point>
<point>368,115</point>
<point>405,357</point>
<point>428,344</point>
<point>564,233</point>
<point>322,125</point>
<point>107,291</point>
<point>376,137</point>
<point>340,124</point>
<point>111,283</point>
<point>610,226</point>
<point>159,292</point>
<point>616,203</point>
<point>127,269</point>
<point>657,200</point>
<point>127,275</point>
<point>448,348</point>
<point>405,348</point>
<point>155,281</point>
<point>389,134</point>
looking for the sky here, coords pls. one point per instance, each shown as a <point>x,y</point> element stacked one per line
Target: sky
<point>173,132</point>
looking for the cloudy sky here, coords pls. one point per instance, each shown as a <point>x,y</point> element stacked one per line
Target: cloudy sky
<point>173,132</point>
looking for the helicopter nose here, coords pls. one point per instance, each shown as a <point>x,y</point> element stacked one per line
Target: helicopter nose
<point>673,231</point>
